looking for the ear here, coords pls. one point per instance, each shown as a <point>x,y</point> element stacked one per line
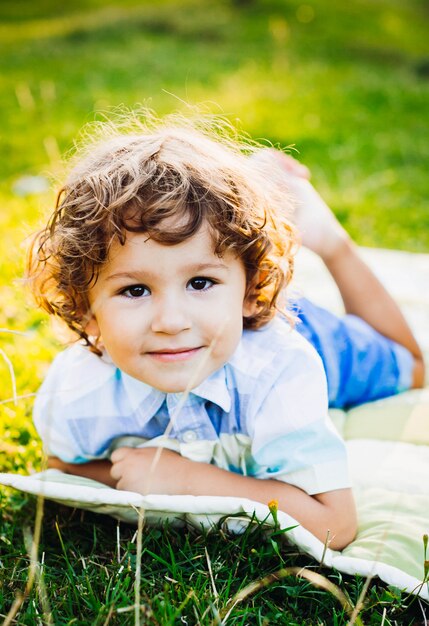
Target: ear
<point>91,327</point>
<point>249,305</point>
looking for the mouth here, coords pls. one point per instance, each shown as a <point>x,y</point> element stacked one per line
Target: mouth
<point>169,355</point>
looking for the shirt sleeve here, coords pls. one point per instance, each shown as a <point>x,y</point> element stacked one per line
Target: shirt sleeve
<point>293,438</point>
<point>70,375</point>
<point>54,433</point>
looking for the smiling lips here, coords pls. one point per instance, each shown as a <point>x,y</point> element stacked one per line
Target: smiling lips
<point>170,355</point>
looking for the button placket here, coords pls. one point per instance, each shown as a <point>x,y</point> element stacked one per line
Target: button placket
<point>173,400</point>
<point>184,420</point>
<point>189,436</point>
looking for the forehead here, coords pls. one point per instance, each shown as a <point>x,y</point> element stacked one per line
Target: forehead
<point>140,251</point>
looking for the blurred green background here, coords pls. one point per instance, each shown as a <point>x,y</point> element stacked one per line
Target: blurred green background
<point>346,83</point>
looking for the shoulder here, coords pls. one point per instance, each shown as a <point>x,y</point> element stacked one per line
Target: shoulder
<point>76,372</point>
<point>274,367</point>
<point>272,349</point>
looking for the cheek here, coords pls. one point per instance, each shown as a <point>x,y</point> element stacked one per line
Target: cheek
<point>117,337</point>
<point>226,333</point>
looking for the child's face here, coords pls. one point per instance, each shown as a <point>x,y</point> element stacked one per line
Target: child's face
<point>159,308</point>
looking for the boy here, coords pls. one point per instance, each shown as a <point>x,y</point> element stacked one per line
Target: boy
<point>164,245</point>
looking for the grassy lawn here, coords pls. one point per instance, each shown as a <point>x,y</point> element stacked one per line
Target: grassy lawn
<point>347,84</point>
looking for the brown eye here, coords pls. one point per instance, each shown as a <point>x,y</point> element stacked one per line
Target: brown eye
<point>200,284</point>
<point>135,291</point>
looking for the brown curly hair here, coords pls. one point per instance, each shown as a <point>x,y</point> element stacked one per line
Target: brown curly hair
<point>197,172</point>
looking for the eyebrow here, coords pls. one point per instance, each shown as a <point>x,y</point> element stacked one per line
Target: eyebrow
<point>188,269</point>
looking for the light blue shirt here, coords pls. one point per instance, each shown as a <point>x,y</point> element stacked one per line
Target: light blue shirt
<point>263,414</point>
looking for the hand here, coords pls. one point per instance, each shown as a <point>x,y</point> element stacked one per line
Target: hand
<point>150,470</point>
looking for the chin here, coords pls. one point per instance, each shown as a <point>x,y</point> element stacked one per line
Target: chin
<point>173,387</point>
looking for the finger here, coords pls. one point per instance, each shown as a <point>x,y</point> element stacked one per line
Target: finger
<point>116,472</point>
<point>119,454</point>
<point>120,486</point>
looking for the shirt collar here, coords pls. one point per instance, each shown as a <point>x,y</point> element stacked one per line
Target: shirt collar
<point>148,400</point>
<point>141,397</point>
<point>215,389</point>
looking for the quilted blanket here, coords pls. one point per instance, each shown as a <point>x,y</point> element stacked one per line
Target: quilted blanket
<point>388,445</point>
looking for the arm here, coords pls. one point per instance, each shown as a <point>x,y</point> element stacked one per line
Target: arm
<point>135,469</point>
<point>96,470</point>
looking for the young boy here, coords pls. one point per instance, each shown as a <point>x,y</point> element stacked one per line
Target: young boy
<point>167,253</point>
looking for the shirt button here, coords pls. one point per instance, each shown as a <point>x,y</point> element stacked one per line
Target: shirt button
<point>189,435</point>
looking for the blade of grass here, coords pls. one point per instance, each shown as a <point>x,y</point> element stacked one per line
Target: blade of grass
<point>313,577</point>
<point>12,375</point>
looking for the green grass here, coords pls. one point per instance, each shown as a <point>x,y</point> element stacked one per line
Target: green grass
<point>348,85</point>
<point>89,573</point>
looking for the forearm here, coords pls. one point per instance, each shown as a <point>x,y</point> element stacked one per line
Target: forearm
<point>333,511</point>
<point>96,470</point>
<point>363,295</point>
<point>145,471</point>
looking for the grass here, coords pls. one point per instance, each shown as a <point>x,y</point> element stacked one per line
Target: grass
<point>187,577</point>
<point>348,85</point>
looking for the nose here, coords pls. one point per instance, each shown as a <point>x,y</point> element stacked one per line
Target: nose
<point>171,316</point>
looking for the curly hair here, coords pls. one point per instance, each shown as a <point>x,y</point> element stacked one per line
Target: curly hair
<point>195,172</point>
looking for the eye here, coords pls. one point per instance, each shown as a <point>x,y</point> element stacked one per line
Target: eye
<point>135,291</point>
<point>200,283</point>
